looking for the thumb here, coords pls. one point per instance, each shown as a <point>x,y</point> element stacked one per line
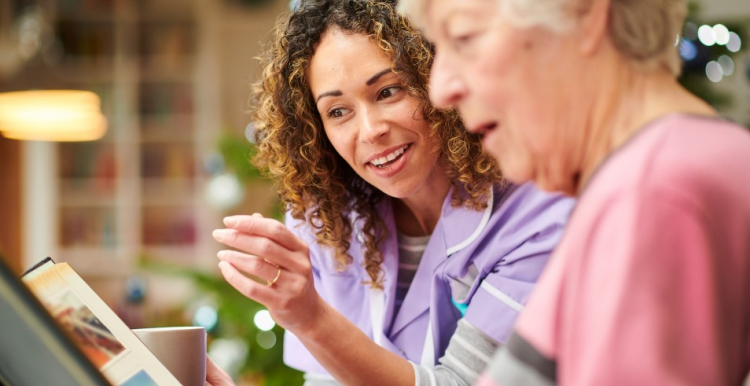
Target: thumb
<point>215,375</point>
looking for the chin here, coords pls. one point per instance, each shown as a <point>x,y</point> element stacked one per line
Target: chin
<point>395,193</point>
<point>496,154</point>
<point>398,191</point>
<point>516,172</point>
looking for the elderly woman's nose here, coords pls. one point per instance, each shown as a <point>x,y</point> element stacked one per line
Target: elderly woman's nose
<point>446,88</point>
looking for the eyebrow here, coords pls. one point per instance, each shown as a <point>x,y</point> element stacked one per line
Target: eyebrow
<point>328,93</point>
<point>369,82</point>
<point>377,76</point>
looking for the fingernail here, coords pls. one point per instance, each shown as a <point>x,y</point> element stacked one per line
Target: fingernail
<point>230,221</point>
<point>222,264</point>
<point>219,234</point>
<point>221,254</point>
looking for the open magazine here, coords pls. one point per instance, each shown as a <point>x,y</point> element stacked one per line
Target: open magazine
<point>34,350</point>
<point>102,336</point>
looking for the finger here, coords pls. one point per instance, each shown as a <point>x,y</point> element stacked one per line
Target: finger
<point>215,375</point>
<point>263,247</point>
<point>248,287</point>
<point>267,227</point>
<point>253,265</point>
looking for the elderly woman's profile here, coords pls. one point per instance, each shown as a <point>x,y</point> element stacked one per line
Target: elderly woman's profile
<point>649,285</point>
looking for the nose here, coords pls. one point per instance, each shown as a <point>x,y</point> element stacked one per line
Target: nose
<point>446,86</point>
<point>372,127</point>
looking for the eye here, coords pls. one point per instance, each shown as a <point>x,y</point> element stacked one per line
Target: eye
<point>335,113</point>
<point>389,92</point>
<point>463,40</point>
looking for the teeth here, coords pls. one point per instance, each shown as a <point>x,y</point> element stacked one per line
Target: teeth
<point>390,157</point>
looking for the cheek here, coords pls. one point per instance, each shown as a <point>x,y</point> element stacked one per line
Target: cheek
<point>514,149</point>
<point>493,78</point>
<point>341,145</point>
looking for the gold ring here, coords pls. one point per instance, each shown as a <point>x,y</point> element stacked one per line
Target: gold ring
<point>278,274</point>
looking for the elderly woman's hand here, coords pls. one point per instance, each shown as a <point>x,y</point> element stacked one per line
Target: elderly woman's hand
<point>271,252</point>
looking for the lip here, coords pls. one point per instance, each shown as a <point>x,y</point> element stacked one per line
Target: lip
<point>384,153</point>
<point>483,127</point>
<point>394,168</point>
<point>489,135</point>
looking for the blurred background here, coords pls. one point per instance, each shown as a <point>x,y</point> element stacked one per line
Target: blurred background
<point>133,211</point>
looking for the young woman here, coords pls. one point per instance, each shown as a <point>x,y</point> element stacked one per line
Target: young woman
<point>403,244</point>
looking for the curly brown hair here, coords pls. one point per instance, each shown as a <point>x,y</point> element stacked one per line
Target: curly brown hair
<point>314,182</point>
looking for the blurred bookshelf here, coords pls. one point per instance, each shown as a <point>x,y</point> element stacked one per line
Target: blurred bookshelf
<point>162,69</point>
<point>137,191</point>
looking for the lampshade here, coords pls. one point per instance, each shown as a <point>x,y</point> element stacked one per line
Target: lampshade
<point>51,115</point>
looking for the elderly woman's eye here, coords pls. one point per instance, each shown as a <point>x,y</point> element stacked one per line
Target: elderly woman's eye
<point>463,39</point>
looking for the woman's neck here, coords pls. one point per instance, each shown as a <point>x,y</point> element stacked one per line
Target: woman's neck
<point>418,214</point>
<point>633,100</point>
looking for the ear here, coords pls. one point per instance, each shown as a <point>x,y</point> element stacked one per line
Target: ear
<point>593,26</point>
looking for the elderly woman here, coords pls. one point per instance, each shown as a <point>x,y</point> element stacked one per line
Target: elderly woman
<point>404,244</point>
<point>650,283</point>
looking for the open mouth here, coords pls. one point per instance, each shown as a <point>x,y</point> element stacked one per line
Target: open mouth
<point>387,160</point>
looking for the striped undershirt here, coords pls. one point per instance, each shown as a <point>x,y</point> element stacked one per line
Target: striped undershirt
<point>410,250</point>
<point>469,349</point>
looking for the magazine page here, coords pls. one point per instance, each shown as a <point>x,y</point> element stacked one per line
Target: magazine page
<point>101,334</point>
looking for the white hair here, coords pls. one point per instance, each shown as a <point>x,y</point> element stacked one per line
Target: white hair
<point>550,14</point>
<point>644,31</point>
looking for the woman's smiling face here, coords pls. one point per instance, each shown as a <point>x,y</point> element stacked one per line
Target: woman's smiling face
<point>369,117</point>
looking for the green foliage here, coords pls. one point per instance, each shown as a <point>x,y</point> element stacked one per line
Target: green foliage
<point>237,152</point>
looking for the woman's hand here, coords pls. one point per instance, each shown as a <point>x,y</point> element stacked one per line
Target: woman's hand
<point>271,252</point>
<point>216,376</point>
<point>274,254</point>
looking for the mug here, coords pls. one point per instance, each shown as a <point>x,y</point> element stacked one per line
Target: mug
<point>182,350</point>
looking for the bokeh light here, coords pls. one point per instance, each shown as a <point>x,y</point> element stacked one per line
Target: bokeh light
<point>721,33</point>
<point>224,191</point>
<point>691,31</point>
<point>250,131</point>
<point>714,71</point>
<point>706,35</point>
<point>266,339</point>
<point>735,43</point>
<point>206,317</point>
<point>727,65</point>
<point>264,321</point>
<point>688,50</point>
<point>229,354</point>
